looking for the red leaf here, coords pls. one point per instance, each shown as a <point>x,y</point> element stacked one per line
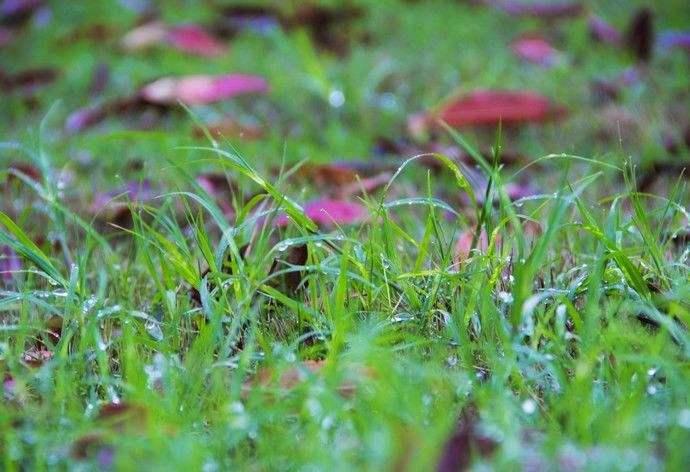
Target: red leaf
<point>602,31</point>
<point>327,212</point>
<point>194,40</point>
<point>489,107</point>
<point>535,50</point>
<point>201,89</point>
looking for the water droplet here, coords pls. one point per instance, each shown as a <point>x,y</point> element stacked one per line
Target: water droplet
<point>336,98</point>
<point>529,406</point>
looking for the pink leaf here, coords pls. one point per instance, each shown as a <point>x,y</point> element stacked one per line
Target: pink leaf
<point>602,31</point>
<point>535,50</point>
<point>328,212</point>
<point>489,107</point>
<point>9,263</point>
<point>194,40</point>
<point>542,9</point>
<point>202,89</point>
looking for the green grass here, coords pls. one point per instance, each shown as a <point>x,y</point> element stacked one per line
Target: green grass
<point>570,341</point>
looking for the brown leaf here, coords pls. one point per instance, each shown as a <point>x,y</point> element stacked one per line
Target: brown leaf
<point>465,442</point>
<point>639,37</point>
<point>201,89</point>
<point>295,375</point>
<point>36,356</point>
<point>28,82</point>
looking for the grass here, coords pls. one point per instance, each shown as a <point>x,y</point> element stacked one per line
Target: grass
<point>180,338</point>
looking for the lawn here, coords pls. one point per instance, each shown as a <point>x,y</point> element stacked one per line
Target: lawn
<point>364,235</point>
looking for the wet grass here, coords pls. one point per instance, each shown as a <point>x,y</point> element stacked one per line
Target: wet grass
<point>171,335</point>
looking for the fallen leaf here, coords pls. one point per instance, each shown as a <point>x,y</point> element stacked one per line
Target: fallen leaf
<point>639,38</point>
<point>237,18</point>
<point>329,212</point>
<point>99,79</point>
<point>9,264</point>
<point>17,11</point>
<point>329,27</point>
<point>114,206</point>
<point>674,39</point>
<point>6,36</point>
<point>136,112</point>
<point>230,128</point>
<point>36,356</point>
<point>201,89</point>
<point>491,107</point>
<point>193,39</point>
<point>28,82</point>
<point>463,246</point>
<point>536,50</point>
<point>366,185</point>
<point>465,442</point>
<point>144,36</point>
<point>295,375</point>
<point>544,9</point>
<point>602,31</point>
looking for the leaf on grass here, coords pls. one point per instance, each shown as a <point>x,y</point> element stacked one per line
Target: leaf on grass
<point>36,356</point>
<point>112,418</point>
<point>639,38</point>
<point>463,246</point>
<point>144,36</point>
<point>17,11</point>
<point>542,9</point>
<point>29,81</point>
<point>674,40</point>
<point>201,89</point>
<point>195,40</point>
<point>114,206</point>
<point>234,19</point>
<point>466,442</point>
<point>536,50</point>
<point>9,263</point>
<point>491,107</point>
<point>136,112</point>
<point>602,31</point>
<point>6,36</point>
<point>329,212</point>
<point>230,128</point>
<point>189,38</point>
<point>293,376</point>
